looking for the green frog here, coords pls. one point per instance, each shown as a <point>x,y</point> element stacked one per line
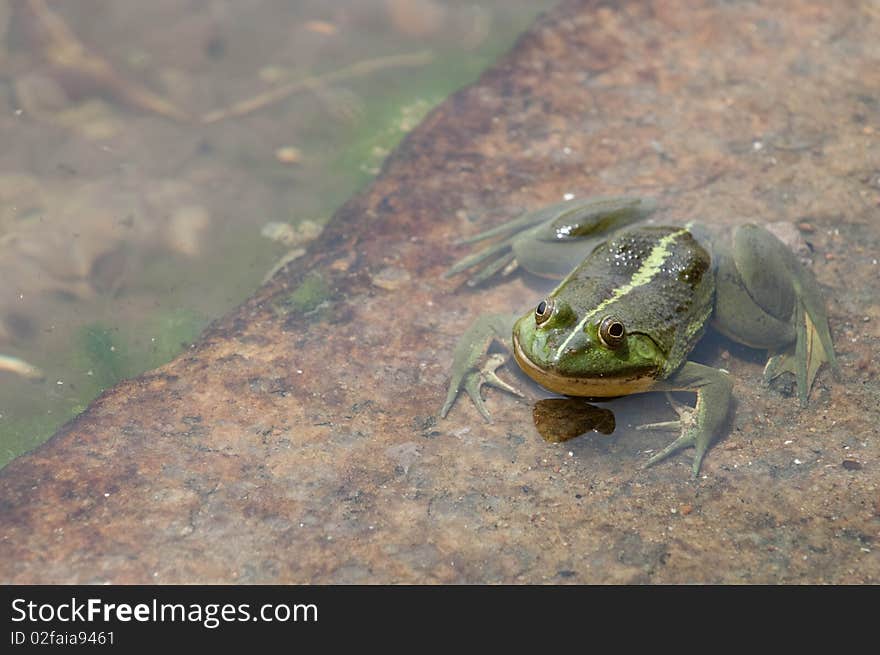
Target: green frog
<point>633,302</point>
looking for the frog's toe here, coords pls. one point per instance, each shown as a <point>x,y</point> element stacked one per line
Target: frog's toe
<point>662,425</point>
<point>684,440</point>
<point>691,435</point>
<point>490,377</point>
<point>499,255</point>
<point>471,382</point>
<point>506,264</point>
<point>450,399</point>
<point>472,386</point>
<point>475,380</point>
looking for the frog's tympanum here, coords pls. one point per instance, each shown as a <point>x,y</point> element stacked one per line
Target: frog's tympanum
<point>633,302</point>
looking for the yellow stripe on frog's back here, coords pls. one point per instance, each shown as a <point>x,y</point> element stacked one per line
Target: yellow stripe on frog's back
<point>651,265</point>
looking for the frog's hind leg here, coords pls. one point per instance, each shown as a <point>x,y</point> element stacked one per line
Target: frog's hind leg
<point>767,299</point>
<point>549,241</point>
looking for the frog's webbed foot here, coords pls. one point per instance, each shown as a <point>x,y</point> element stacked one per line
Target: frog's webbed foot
<point>698,426</point>
<point>474,381</point>
<point>688,435</point>
<point>548,241</point>
<point>468,374</point>
<point>487,373</point>
<point>812,348</point>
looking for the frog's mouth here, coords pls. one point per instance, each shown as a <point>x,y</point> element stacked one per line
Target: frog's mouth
<point>599,387</point>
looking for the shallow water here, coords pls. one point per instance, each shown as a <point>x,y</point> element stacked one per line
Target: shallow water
<point>151,183</point>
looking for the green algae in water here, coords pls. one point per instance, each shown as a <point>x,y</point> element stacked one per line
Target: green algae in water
<point>312,292</point>
<point>21,435</point>
<point>93,362</point>
<point>102,357</point>
<point>167,335</point>
<point>393,105</point>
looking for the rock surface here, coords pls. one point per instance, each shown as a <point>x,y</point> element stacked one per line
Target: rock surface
<point>298,440</point>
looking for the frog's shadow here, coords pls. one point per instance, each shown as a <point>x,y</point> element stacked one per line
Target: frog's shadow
<point>709,350</point>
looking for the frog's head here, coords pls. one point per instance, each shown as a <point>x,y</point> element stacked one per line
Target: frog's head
<point>584,355</point>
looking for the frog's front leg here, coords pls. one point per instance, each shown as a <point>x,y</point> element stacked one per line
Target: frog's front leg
<point>473,348</point>
<point>699,425</point>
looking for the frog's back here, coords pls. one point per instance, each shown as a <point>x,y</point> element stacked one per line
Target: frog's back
<point>656,279</point>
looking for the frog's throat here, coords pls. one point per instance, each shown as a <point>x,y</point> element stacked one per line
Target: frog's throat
<point>599,387</point>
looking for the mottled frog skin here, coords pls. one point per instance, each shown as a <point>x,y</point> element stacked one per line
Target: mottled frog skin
<point>625,319</point>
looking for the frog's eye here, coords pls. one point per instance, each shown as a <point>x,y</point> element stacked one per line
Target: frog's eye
<point>611,332</point>
<point>544,311</point>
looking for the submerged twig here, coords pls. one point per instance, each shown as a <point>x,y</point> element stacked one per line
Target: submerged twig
<point>316,81</point>
<point>66,53</point>
<point>69,56</point>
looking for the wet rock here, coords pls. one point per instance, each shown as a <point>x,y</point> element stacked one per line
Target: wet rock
<point>390,278</point>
